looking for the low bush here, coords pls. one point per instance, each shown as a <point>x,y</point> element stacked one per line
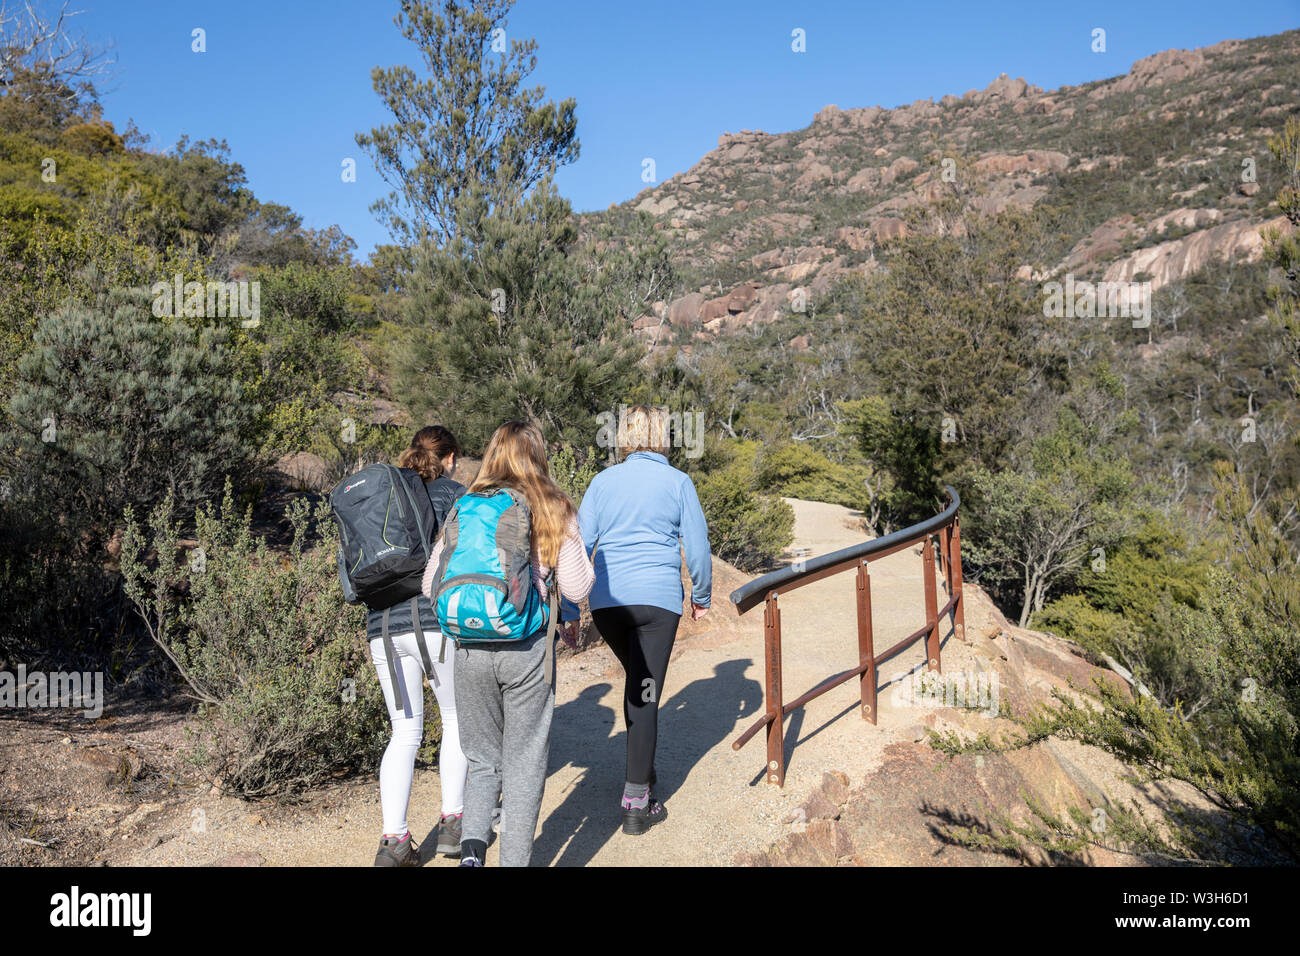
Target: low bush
<point>287,696</point>
<point>572,468</point>
<point>798,471</point>
<point>746,528</point>
<point>114,408</point>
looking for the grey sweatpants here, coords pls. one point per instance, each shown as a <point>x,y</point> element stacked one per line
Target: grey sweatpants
<point>505,701</point>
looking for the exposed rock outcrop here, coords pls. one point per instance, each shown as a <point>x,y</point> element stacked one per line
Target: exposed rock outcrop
<point>1178,258</point>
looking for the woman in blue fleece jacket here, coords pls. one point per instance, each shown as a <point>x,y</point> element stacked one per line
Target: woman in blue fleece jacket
<point>635,519</point>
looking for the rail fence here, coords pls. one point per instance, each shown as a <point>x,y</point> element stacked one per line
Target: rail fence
<point>767,590</point>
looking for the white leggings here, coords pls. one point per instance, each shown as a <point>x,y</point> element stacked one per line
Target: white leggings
<point>398,766</point>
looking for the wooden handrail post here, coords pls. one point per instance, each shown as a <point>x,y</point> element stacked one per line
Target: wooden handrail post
<point>954,557</point>
<point>931,605</point>
<point>866,644</point>
<point>776,722</point>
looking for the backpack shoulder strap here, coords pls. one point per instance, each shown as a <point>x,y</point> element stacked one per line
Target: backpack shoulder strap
<point>411,487</point>
<point>419,641</point>
<point>391,653</point>
<point>552,627</point>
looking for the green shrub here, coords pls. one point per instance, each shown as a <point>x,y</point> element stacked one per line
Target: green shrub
<point>309,296</point>
<point>1127,604</point>
<point>746,528</point>
<point>264,642</point>
<point>1234,742</point>
<point>114,408</point>
<point>799,471</point>
<point>573,470</point>
<point>1227,725</point>
<point>1097,630</point>
<point>92,139</point>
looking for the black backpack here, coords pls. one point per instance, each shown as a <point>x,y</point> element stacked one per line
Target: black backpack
<point>387,526</point>
<point>386,531</point>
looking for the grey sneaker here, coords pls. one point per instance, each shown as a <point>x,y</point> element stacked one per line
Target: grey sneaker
<point>397,852</point>
<point>449,831</point>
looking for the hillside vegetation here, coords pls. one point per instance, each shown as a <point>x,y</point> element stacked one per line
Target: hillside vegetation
<point>860,311</point>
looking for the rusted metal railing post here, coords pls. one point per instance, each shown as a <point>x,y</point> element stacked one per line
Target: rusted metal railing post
<point>945,562</point>
<point>940,540</point>
<point>954,557</point>
<point>866,644</point>
<point>776,723</point>
<point>931,606</point>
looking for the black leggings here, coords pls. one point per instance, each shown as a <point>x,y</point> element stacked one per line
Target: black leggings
<point>642,638</point>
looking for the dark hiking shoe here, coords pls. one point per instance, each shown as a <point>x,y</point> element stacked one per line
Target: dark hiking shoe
<point>397,852</point>
<point>449,832</point>
<point>637,821</point>
<point>472,853</point>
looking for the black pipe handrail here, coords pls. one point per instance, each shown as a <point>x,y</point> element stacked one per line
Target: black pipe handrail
<point>748,595</point>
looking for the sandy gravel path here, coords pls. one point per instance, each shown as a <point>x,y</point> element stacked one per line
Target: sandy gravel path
<point>718,800</point>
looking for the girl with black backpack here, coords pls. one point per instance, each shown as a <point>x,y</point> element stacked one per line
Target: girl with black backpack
<point>432,454</point>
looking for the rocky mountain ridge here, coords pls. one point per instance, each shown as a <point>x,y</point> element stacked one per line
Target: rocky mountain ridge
<point>1159,170</point>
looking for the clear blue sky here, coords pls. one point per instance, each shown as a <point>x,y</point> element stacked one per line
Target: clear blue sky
<point>287,82</point>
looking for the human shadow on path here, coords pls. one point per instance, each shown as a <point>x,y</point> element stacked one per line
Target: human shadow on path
<point>693,721</point>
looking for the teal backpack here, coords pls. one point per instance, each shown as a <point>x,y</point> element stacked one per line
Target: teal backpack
<point>484,583</point>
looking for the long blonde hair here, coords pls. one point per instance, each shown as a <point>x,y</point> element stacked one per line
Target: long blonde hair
<point>516,459</point>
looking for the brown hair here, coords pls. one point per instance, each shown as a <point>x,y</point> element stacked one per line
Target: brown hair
<point>643,428</point>
<point>516,459</point>
<point>429,446</point>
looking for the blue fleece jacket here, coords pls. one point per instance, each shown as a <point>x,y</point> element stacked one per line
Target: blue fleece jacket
<point>638,516</point>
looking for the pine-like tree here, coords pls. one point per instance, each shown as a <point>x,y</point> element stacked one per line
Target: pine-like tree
<point>468,126</point>
<point>512,320</point>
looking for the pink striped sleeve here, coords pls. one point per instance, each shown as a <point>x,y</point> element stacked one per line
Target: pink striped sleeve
<point>573,571</point>
<point>426,583</point>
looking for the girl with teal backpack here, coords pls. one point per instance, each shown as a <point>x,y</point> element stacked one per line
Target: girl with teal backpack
<point>506,553</point>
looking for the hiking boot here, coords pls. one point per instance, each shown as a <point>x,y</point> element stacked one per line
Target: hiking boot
<point>449,831</point>
<point>395,851</point>
<point>637,821</point>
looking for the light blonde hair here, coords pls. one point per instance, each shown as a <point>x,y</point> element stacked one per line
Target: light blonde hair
<point>516,459</point>
<point>643,428</point>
